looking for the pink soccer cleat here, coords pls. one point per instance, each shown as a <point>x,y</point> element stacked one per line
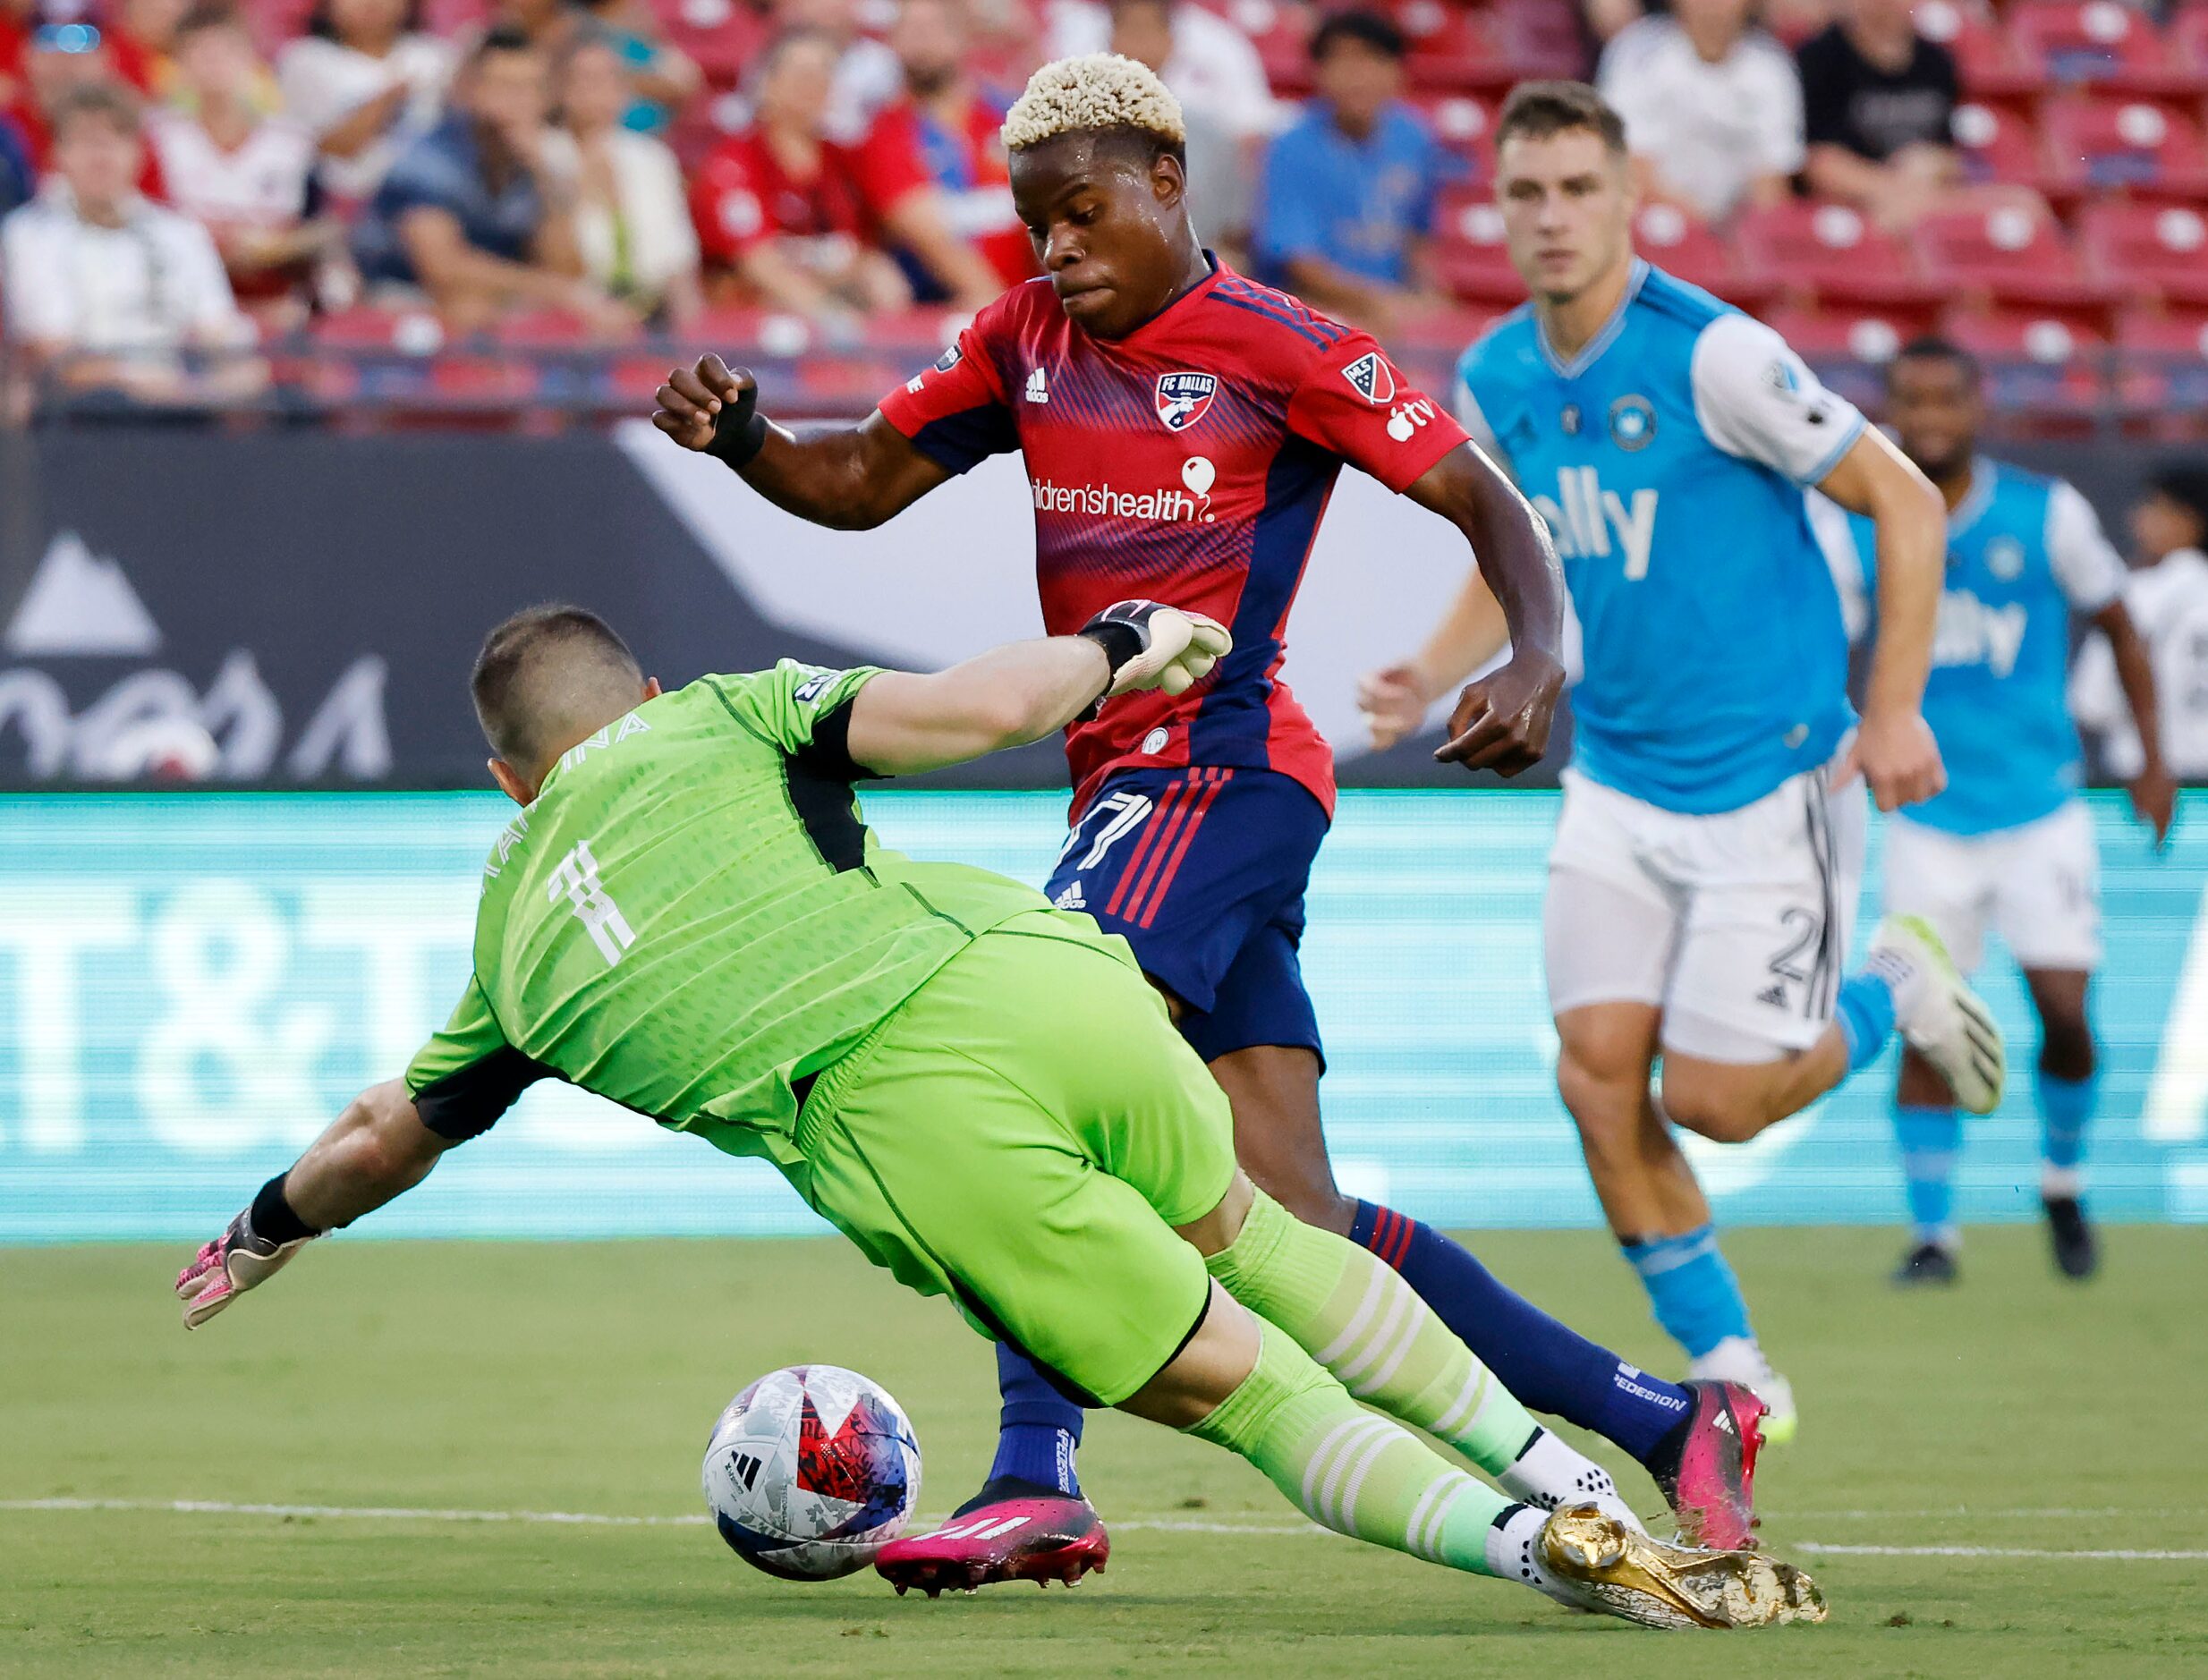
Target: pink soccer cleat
<point>1712,1486</point>
<point>1042,1539</point>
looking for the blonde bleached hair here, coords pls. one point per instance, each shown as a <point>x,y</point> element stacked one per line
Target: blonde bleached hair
<point>1098,91</point>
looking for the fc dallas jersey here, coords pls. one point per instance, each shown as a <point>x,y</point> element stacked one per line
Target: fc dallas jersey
<point>1188,462</point>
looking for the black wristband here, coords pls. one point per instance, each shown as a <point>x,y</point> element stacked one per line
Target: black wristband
<point>1121,642</point>
<point>272,1218</point>
<point>739,433</point>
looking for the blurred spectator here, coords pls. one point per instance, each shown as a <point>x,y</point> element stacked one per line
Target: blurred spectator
<point>141,40</point>
<point>1712,107</point>
<point>932,169</point>
<point>105,289</point>
<point>1208,63</point>
<point>1877,101</point>
<point>242,175</point>
<point>631,220</point>
<point>1223,147</point>
<point>2167,596</point>
<point>867,76</point>
<point>61,57</point>
<point>366,80</point>
<point>1788,19</point>
<point>19,176</point>
<point>780,204</point>
<point>1349,192</point>
<point>471,215</point>
<point>18,19</point>
<point>660,79</point>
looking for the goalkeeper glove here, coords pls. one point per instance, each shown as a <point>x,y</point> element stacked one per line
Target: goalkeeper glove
<point>1153,646</point>
<point>239,1259</point>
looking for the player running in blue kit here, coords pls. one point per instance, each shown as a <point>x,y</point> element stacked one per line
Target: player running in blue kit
<point>1183,425</point>
<point>1704,874</point>
<point>2008,843</point>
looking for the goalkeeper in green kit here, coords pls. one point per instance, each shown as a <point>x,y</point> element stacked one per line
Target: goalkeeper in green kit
<point>690,918</point>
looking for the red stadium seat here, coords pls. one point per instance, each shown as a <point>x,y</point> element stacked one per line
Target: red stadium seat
<point>1464,123</point>
<point>1280,30</point>
<point>1832,252</point>
<point>2136,248</point>
<point>1985,59</point>
<point>554,330</point>
<point>2188,36</point>
<point>1542,37</point>
<point>404,331</point>
<point>720,36</point>
<point>1848,348</point>
<point>2014,252</point>
<point>2162,366</point>
<point>1696,253</point>
<point>1998,145</point>
<point>1453,46</point>
<point>1469,257</point>
<point>2041,362</point>
<point>2095,145</point>
<point>2103,43</point>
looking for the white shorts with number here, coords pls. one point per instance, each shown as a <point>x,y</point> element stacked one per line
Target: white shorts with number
<point>2037,885</point>
<point>1734,924</point>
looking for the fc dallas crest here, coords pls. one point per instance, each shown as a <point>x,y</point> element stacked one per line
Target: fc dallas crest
<point>1182,397</point>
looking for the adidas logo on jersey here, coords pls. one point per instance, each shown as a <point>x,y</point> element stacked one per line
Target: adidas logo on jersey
<point>1072,897</point>
<point>1775,995</point>
<point>1583,517</point>
<point>1038,386</point>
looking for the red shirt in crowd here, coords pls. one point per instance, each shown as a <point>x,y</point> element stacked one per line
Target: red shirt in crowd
<point>1189,461</point>
<point>741,196</point>
<point>908,148</point>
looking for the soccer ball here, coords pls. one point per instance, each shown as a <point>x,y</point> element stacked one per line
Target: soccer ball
<point>810,1471</point>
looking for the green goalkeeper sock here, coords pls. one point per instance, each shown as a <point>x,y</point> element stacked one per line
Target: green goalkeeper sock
<point>1361,1321</point>
<point>1359,1474</point>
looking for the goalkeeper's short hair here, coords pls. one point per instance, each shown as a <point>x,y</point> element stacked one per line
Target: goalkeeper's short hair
<point>1097,93</point>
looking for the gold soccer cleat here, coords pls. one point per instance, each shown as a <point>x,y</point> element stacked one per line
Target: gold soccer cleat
<point>1598,1564</point>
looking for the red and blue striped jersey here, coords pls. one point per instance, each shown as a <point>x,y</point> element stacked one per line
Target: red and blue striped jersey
<point>1188,462</point>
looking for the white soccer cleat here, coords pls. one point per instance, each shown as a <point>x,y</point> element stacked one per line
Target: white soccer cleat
<point>1944,1020</point>
<point>1739,1359</point>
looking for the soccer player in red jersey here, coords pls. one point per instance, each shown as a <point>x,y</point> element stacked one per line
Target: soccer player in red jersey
<point>1183,428</point>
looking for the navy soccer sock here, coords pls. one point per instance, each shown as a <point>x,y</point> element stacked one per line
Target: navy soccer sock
<point>1548,1366</point>
<point>1039,1431</point>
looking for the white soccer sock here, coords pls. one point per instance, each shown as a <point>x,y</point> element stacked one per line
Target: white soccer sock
<point>1552,1473</point>
<point>1513,1553</point>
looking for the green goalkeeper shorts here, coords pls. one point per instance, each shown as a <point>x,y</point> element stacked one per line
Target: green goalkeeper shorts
<point>1022,1135</point>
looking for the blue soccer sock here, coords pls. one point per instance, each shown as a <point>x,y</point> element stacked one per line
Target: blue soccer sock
<point>1696,1297</point>
<point>1931,1138</point>
<point>2065,1108</point>
<point>1865,1013</point>
<point>1548,1367</point>
<point>1039,1431</point>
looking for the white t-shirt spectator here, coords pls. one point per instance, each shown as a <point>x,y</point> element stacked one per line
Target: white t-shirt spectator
<point>2169,603</point>
<point>1710,129</point>
<point>262,184</point>
<point>1214,70</point>
<point>654,230</point>
<point>154,285</point>
<point>324,82</point>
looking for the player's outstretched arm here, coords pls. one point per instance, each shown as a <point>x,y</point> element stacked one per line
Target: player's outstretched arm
<point>376,1149</point>
<point>1894,746</point>
<point>2153,791</point>
<point>848,477</point>
<point>1502,723</point>
<point>903,723</point>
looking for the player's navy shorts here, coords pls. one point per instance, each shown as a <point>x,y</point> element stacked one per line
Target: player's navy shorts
<point>1202,870</point>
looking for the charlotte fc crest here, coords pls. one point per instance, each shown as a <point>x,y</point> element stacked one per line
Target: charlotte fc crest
<point>1183,398</point>
<point>1371,378</point>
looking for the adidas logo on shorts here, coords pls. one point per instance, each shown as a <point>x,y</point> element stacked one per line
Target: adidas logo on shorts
<point>1071,899</point>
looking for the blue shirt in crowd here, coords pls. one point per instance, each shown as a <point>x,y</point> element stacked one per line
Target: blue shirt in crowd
<point>444,171</point>
<point>1354,202</point>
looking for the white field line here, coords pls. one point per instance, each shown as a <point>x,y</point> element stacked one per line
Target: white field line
<point>1158,1524</point>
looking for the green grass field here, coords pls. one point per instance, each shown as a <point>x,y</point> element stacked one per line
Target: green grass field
<point>2025,1423</point>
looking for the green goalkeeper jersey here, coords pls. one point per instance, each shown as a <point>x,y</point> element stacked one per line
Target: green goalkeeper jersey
<point>692,916</point>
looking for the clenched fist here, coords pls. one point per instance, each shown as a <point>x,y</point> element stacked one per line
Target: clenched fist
<point>691,400</point>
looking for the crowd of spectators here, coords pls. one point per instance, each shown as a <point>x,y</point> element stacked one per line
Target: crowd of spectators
<point>629,166</point>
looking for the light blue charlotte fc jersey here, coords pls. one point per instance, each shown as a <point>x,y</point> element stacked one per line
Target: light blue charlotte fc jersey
<point>2024,553</point>
<point>1668,458</point>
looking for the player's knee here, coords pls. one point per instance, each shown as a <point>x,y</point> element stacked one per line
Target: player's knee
<point>1722,1112</point>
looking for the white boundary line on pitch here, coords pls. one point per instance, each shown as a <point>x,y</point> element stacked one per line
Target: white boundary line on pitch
<point>1169,1525</point>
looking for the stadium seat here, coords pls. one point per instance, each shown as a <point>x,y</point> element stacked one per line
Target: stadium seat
<point>1280,30</point>
<point>2096,144</point>
<point>1543,37</point>
<point>2043,363</point>
<point>721,38</point>
<point>1832,253</point>
<point>2188,36</point>
<point>2162,367</point>
<point>1998,145</point>
<point>1453,46</point>
<point>2103,43</point>
<point>1468,257</point>
<point>2136,248</point>
<point>1696,253</point>
<point>1986,62</point>
<point>1847,347</point>
<point>553,331</point>
<point>2013,252</point>
<point>1464,123</point>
